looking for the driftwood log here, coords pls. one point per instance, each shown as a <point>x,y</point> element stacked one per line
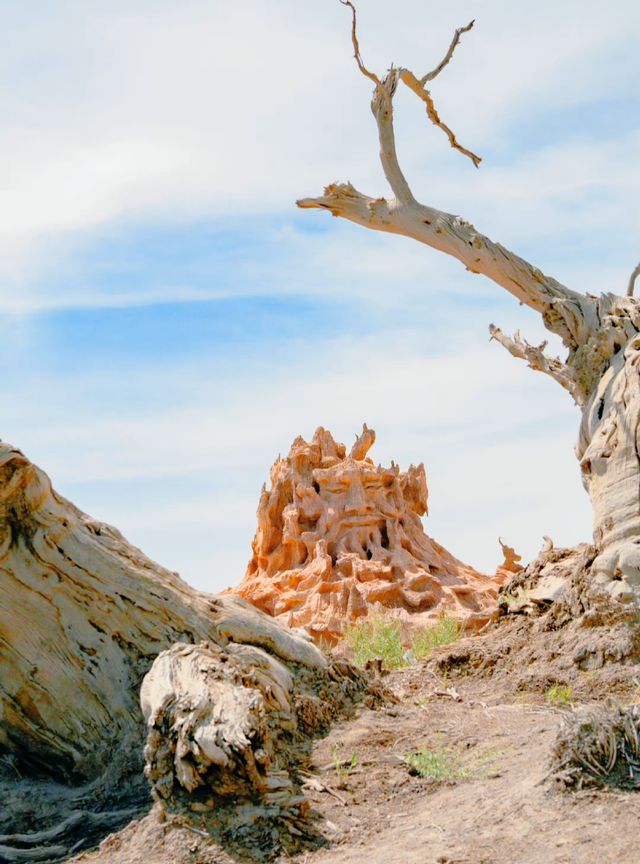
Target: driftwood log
<point>228,728</point>
<point>83,615</point>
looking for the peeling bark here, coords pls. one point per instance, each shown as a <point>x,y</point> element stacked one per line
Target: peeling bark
<point>600,333</point>
<point>228,728</point>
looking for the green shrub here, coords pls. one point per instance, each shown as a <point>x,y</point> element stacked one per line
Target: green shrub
<point>343,767</point>
<point>446,763</point>
<point>425,640</point>
<point>559,697</point>
<point>442,763</point>
<point>376,637</point>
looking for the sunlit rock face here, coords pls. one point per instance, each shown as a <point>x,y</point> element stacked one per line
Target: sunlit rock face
<point>339,536</point>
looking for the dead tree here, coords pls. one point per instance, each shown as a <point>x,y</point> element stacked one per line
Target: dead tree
<point>601,334</point>
<point>83,615</point>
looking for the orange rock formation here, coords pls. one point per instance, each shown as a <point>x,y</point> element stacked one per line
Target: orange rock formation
<point>338,536</point>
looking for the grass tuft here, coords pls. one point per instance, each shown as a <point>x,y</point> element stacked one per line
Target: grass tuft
<point>343,767</point>
<point>380,637</point>
<point>559,697</point>
<point>376,637</point>
<point>446,763</point>
<point>441,763</point>
<point>445,631</point>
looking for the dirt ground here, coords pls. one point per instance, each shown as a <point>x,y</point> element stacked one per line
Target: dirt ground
<point>495,804</point>
<point>505,811</point>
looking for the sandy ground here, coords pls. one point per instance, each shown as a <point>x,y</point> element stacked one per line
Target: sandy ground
<point>505,812</point>
<point>497,806</point>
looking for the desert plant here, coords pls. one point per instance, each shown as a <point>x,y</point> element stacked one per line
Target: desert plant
<point>559,697</point>
<point>376,637</point>
<point>446,763</point>
<point>440,763</point>
<point>445,631</point>
<point>343,767</point>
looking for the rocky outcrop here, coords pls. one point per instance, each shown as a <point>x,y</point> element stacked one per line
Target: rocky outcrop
<point>558,627</point>
<point>338,536</point>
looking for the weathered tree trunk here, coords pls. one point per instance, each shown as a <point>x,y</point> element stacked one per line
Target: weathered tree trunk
<point>610,461</point>
<point>229,728</point>
<point>601,333</point>
<point>82,616</point>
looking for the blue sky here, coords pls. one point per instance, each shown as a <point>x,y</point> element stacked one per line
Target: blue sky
<point>172,322</point>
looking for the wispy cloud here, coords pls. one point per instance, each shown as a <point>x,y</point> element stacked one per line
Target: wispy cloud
<point>151,157</point>
<point>199,111</point>
<point>478,420</point>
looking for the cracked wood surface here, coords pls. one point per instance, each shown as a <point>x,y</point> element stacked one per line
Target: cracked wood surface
<point>83,613</point>
<point>600,333</point>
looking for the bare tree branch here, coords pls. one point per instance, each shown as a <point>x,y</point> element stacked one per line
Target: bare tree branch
<point>386,88</point>
<point>573,316</point>
<point>418,88</point>
<point>600,333</point>
<point>356,46</point>
<point>447,57</point>
<point>457,237</point>
<point>538,360</point>
<point>632,281</point>
<point>382,108</point>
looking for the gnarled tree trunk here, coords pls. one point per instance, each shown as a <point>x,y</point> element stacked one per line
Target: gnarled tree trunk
<point>602,334</point>
<point>83,615</point>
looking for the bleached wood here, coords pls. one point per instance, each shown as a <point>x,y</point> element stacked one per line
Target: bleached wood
<point>215,718</point>
<point>536,358</point>
<point>602,368</point>
<point>83,613</point>
<point>228,729</point>
<point>632,280</point>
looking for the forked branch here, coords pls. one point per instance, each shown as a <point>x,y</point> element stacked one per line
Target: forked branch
<point>573,316</point>
<point>537,359</point>
<point>418,86</point>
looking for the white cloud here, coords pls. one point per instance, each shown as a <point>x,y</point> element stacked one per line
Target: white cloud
<point>163,113</point>
<point>199,109</point>
<point>478,420</point>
